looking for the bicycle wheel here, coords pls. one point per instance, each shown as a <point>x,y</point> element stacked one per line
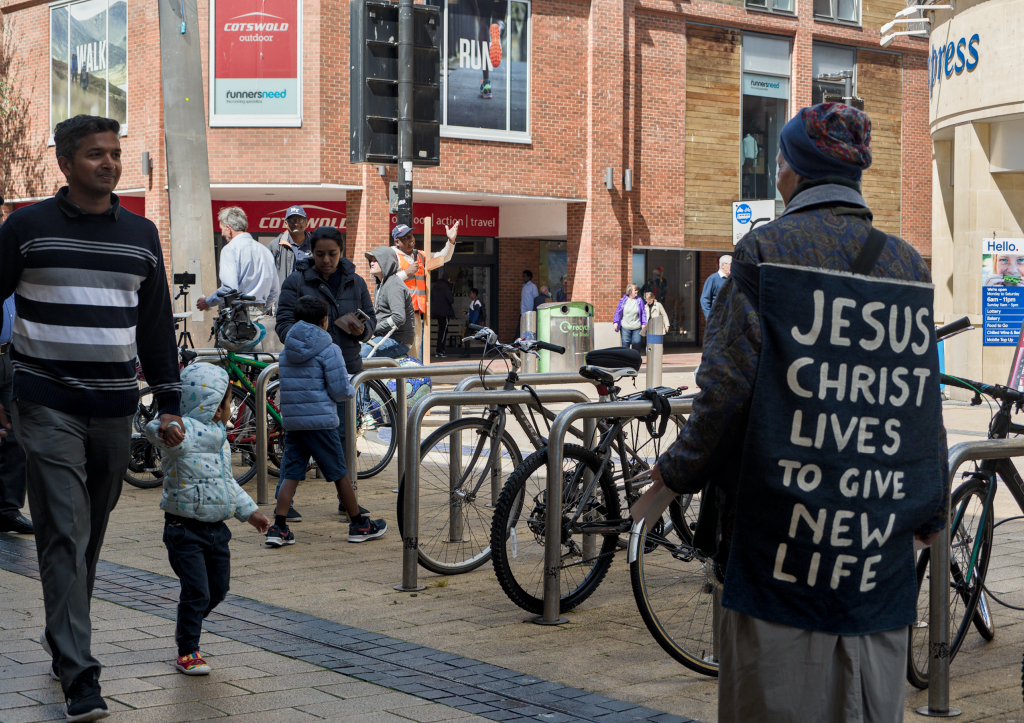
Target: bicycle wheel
<point>964,594</point>
<point>242,435</point>
<point>518,530</point>
<point>146,412</point>
<point>674,586</point>
<point>144,470</point>
<point>462,512</point>
<point>376,412</point>
<point>642,451</point>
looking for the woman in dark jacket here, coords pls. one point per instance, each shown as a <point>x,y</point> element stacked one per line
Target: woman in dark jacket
<point>333,278</point>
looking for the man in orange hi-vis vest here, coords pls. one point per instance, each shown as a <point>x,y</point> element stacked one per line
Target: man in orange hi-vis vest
<point>413,269</point>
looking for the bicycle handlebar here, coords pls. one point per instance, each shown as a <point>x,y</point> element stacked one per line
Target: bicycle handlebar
<point>545,346</point>
<point>996,391</point>
<point>953,328</point>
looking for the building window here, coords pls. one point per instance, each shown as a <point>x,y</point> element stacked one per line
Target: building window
<point>828,59</point>
<point>840,11</point>
<point>772,6</point>
<point>486,91</point>
<point>671,275</point>
<point>89,60</point>
<point>766,67</point>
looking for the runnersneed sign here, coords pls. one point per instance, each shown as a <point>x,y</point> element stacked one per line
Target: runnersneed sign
<point>255,63</point>
<point>832,489</point>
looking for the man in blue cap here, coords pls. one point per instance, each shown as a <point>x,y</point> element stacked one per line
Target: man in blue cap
<point>292,246</point>
<point>814,621</point>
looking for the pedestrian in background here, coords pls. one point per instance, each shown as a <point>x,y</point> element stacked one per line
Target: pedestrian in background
<point>75,388</point>
<point>526,297</point>
<point>655,309</point>
<point>542,298</point>
<point>562,294</point>
<point>292,246</point>
<point>714,284</point>
<point>442,308</point>
<point>630,318</point>
<point>200,492</point>
<point>246,265</point>
<point>393,304</point>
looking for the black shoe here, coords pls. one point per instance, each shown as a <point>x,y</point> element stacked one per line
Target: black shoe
<point>441,355</point>
<point>84,701</point>
<point>294,515</point>
<point>17,523</point>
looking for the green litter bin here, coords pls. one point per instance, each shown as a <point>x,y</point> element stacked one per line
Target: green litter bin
<point>569,324</point>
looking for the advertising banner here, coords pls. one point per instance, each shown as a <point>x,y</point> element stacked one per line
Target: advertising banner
<point>476,220</point>
<point>255,64</point>
<point>266,217</point>
<point>488,55</point>
<point>750,214</point>
<point>766,86</point>
<point>1002,291</point>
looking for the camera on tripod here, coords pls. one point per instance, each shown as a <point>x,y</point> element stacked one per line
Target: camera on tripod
<point>184,280</point>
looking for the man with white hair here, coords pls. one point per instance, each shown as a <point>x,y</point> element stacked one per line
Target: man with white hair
<point>246,265</point>
<point>713,284</point>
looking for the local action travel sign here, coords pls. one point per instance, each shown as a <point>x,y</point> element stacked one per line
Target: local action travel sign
<point>255,63</point>
<point>841,458</point>
<point>1002,290</point>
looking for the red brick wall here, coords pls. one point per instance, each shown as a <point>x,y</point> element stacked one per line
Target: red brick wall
<point>514,255</point>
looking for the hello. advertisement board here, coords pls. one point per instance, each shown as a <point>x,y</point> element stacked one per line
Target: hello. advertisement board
<point>1002,290</point>
<point>255,63</point>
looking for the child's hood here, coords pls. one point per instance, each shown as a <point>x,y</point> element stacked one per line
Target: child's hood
<point>203,386</point>
<point>305,341</point>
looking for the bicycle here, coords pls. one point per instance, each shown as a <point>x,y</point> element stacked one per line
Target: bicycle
<point>459,485</point>
<point>592,482</point>
<point>971,530</point>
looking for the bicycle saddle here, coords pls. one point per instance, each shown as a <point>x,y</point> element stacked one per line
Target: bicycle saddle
<point>605,375</point>
<point>614,358</point>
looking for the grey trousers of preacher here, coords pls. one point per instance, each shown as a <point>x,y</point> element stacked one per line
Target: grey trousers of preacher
<point>772,673</point>
<point>12,457</point>
<point>75,466</point>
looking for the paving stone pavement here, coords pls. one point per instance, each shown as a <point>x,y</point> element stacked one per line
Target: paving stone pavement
<point>605,649</point>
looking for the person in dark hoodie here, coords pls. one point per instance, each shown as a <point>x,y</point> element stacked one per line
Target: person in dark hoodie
<point>392,304</point>
<point>328,275</point>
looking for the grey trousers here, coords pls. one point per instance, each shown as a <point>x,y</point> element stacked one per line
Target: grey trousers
<point>12,457</point>
<point>75,466</point>
<point>772,673</point>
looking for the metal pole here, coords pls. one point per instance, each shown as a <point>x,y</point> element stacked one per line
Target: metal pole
<point>553,512</point>
<point>655,346</point>
<point>410,523</point>
<point>262,432</point>
<point>938,587</point>
<point>405,95</point>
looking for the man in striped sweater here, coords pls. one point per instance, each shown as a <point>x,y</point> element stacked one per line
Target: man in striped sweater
<point>91,296</point>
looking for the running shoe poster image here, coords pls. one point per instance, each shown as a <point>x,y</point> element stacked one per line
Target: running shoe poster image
<point>487,53</point>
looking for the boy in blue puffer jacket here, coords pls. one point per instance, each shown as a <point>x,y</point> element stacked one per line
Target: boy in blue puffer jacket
<point>313,380</point>
<point>200,492</point>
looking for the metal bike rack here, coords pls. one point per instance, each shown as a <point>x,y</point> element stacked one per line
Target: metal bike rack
<point>410,525</point>
<point>262,381</point>
<point>553,514</point>
<point>938,589</point>
<point>396,372</point>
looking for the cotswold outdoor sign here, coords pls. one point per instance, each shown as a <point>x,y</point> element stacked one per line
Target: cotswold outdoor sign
<point>255,61</point>
<point>829,495</point>
<point>952,58</point>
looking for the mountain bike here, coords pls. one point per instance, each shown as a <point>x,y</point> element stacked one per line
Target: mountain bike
<point>459,483</point>
<point>595,483</point>
<point>971,530</point>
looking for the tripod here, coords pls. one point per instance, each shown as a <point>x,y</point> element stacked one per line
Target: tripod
<point>185,337</point>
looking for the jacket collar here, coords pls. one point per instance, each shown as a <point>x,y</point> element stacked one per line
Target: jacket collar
<point>826,192</point>
<point>72,211</point>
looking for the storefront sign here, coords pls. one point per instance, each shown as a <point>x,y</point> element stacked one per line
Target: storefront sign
<point>953,57</point>
<point>1002,290</point>
<point>476,220</point>
<point>255,61</point>
<point>268,216</point>
<point>766,86</point>
<point>750,214</point>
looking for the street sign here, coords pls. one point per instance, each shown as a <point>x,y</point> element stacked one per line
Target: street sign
<point>750,214</point>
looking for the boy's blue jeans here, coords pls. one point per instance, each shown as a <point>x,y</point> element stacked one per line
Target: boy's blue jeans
<point>200,557</point>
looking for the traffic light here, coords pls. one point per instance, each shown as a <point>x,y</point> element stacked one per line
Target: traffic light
<point>374,83</point>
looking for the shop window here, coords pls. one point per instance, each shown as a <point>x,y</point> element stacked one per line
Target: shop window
<point>89,60</point>
<point>840,11</point>
<point>766,64</point>
<point>773,6</point>
<point>827,59</point>
<point>485,90</point>
<point>671,275</point>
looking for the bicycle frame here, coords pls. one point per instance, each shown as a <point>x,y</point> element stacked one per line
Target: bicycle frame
<point>236,366</point>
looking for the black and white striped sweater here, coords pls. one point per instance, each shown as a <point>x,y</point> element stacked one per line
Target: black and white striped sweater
<point>91,295</point>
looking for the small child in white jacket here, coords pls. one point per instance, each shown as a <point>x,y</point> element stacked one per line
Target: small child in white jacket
<point>200,492</point>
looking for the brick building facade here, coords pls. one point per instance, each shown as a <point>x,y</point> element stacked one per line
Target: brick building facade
<point>688,96</point>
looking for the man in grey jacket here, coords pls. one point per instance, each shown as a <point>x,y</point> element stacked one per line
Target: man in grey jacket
<point>392,304</point>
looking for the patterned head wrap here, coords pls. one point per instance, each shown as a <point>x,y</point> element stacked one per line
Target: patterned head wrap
<point>830,139</point>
